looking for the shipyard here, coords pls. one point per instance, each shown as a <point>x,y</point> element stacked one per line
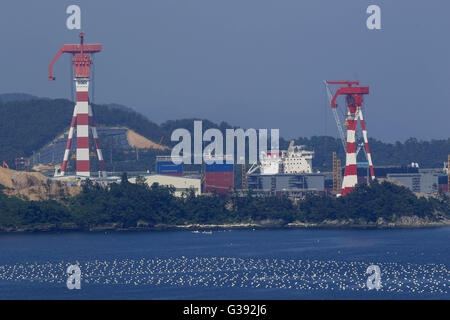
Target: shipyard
<point>265,169</point>
<point>234,150</point>
<point>207,171</point>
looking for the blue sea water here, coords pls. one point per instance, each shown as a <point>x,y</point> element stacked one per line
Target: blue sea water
<point>228,264</point>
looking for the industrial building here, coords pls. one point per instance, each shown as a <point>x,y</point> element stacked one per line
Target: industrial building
<point>287,182</point>
<point>421,182</point>
<point>417,180</point>
<point>218,177</point>
<point>443,185</point>
<point>384,171</point>
<point>166,166</point>
<point>181,184</point>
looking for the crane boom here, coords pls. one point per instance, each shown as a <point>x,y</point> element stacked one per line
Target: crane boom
<point>335,114</point>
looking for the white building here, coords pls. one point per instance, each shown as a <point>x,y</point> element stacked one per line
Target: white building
<point>295,160</point>
<point>181,184</point>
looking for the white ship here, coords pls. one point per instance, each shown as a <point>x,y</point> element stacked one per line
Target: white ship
<point>295,160</point>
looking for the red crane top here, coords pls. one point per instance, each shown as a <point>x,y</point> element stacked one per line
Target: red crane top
<point>354,94</point>
<point>81,57</point>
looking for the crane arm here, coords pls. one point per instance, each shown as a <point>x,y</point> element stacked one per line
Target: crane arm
<point>73,49</point>
<point>332,101</point>
<point>50,68</point>
<point>344,82</point>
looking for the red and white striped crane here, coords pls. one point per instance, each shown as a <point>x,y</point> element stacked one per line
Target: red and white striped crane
<point>82,114</point>
<point>353,98</point>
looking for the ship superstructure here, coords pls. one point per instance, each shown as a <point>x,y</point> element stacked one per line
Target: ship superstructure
<point>295,160</point>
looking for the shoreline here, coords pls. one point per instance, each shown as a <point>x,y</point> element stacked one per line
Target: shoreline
<point>342,225</point>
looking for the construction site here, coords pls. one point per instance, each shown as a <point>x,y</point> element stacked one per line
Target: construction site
<point>77,154</point>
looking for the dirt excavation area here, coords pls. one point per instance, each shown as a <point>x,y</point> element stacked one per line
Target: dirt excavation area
<point>35,186</point>
<point>137,141</point>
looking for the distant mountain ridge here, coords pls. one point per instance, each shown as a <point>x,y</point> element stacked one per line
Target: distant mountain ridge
<point>8,97</point>
<point>120,107</point>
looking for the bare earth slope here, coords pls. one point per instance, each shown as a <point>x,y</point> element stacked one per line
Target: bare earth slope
<point>137,141</point>
<point>34,185</point>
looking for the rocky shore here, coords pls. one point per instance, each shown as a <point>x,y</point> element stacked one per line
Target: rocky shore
<point>402,222</point>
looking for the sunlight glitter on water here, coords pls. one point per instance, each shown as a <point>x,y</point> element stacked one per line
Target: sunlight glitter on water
<point>219,272</point>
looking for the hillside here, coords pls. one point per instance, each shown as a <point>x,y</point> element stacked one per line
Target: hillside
<point>138,141</point>
<point>28,123</point>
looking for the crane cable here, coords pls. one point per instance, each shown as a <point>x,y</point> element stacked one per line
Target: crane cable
<point>93,79</point>
<point>71,79</point>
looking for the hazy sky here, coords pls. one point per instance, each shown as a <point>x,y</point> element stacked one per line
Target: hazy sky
<point>252,63</point>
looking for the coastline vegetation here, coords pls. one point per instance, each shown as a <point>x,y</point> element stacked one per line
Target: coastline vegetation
<point>128,206</point>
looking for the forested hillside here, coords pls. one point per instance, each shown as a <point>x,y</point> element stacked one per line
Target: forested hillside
<point>429,154</point>
<point>28,123</point>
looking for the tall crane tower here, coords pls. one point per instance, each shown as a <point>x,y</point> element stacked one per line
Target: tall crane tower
<point>353,99</point>
<point>82,114</point>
